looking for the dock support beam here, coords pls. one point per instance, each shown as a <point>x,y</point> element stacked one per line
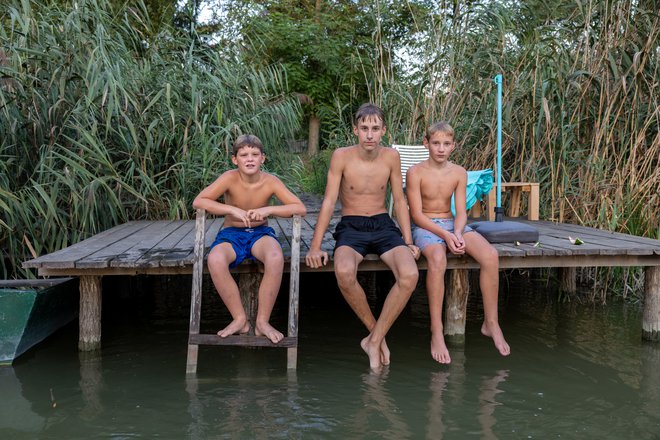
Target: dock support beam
<point>248,286</point>
<point>456,306</point>
<point>567,279</point>
<point>90,313</point>
<point>651,315</point>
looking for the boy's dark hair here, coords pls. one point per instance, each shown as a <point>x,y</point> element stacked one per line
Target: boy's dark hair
<point>247,140</point>
<point>442,126</point>
<point>367,110</point>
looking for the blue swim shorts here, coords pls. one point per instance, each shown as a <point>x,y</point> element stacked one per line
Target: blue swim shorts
<point>376,234</point>
<point>424,238</point>
<point>242,240</point>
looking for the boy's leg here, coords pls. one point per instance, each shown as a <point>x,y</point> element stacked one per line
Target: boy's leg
<point>346,260</point>
<point>269,252</point>
<point>436,258</point>
<point>402,264</point>
<point>486,255</point>
<point>218,262</point>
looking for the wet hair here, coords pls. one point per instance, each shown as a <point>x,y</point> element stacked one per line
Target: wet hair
<point>442,127</point>
<point>367,110</point>
<point>247,140</point>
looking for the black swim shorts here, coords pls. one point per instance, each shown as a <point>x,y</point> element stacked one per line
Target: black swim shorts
<point>368,235</point>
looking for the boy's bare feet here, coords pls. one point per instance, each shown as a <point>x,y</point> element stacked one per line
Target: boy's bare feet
<point>439,350</point>
<point>267,330</point>
<point>374,352</point>
<point>494,331</point>
<point>384,353</point>
<point>237,326</point>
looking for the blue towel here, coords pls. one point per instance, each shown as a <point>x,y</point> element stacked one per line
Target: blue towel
<point>479,184</point>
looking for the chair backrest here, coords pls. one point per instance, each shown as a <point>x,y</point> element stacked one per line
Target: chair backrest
<point>479,182</point>
<point>410,155</point>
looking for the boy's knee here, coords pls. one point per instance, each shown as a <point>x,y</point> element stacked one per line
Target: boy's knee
<point>490,257</point>
<point>408,278</point>
<point>217,260</point>
<point>437,260</point>
<point>274,259</point>
<point>345,273</point>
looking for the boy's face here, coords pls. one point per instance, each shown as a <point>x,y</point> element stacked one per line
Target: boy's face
<point>440,146</point>
<point>369,132</point>
<point>248,159</point>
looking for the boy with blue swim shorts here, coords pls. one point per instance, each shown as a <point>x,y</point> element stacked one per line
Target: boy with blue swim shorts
<point>243,197</point>
<point>429,187</point>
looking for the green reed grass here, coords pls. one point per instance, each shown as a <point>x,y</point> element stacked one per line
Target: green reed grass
<point>581,103</point>
<point>102,121</point>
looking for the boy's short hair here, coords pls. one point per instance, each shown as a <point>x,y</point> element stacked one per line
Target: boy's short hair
<point>367,110</point>
<point>247,140</point>
<point>442,127</point>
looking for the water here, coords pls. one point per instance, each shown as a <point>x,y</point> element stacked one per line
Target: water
<point>577,371</point>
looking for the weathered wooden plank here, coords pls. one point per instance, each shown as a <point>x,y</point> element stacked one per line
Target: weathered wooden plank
<point>153,257</point>
<point>103,257</point>
<point>604,241</point>
<point>241,340</point>
<point>617,237</point>
<point>67,257</point>
<point>138,254</point>
<point>183,254</point>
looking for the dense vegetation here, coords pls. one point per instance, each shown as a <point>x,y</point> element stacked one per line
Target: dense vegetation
<point>106,117</point>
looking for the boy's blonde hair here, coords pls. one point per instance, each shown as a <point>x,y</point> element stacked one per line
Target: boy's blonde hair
<point>442,127</point>
<point>247,140</point>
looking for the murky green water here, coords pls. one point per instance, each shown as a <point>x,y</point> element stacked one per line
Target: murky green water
<point>576,371</point>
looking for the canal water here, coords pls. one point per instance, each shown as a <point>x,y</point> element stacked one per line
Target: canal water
<point>577,371</point>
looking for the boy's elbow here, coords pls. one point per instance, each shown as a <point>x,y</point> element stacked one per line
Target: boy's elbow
<point>302,211</point>
<point>197,203</point>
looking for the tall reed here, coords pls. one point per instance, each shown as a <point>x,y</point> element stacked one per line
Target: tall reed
<point>101,121</point>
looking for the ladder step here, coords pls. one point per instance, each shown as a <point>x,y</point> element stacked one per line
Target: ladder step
<point>241,340</point>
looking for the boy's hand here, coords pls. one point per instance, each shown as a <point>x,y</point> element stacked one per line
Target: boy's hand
<point>456,244</point>
<point>316,258</point>
<point>258,215</point>
<point>243,216</point>
<point>415,251</point>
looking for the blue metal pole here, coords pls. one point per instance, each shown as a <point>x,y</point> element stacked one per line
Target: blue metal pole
<point>498,81</point>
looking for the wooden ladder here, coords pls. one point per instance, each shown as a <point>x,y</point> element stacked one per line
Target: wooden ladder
<point>249,286</point>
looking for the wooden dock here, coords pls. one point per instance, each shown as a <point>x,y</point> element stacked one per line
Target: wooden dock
<point>166,247</point>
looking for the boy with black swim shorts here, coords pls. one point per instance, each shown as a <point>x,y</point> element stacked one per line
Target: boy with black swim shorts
<point>247,192</point>
<point>359,176</point>
<point>429,187</point>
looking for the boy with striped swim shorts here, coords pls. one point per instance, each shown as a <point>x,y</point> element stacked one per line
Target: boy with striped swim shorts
<point>429,188</point>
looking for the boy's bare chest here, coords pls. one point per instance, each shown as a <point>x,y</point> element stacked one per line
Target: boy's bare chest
<point>249,196</point>
<point>367,177</point>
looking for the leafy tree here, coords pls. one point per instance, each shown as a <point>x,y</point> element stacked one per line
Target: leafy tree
<point>331,50</point>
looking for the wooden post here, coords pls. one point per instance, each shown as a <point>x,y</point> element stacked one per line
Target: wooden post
<point>651,314</point>
<point>567,279</point>
<point>248,286</point>
<point>196,295</point>
<point>294,288</point>
<point>90,313</point>
<point>456,305</point>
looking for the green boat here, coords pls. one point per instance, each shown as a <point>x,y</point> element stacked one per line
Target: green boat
<point>32,310</point>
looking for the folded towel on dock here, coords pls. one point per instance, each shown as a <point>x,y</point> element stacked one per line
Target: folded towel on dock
<point>479,183</point>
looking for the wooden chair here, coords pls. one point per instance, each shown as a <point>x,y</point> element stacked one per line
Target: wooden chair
<point>414,154</point>
<point>516,189</point>
<point>249,286</point>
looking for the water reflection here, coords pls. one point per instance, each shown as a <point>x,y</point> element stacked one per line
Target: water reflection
<point>378,416</point>
<point>91,384</point>
<point>451,385</point>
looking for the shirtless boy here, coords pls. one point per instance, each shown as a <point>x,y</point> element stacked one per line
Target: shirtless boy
<point>429,187</point>
<point>359,175</point>
<point>247,191</point>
